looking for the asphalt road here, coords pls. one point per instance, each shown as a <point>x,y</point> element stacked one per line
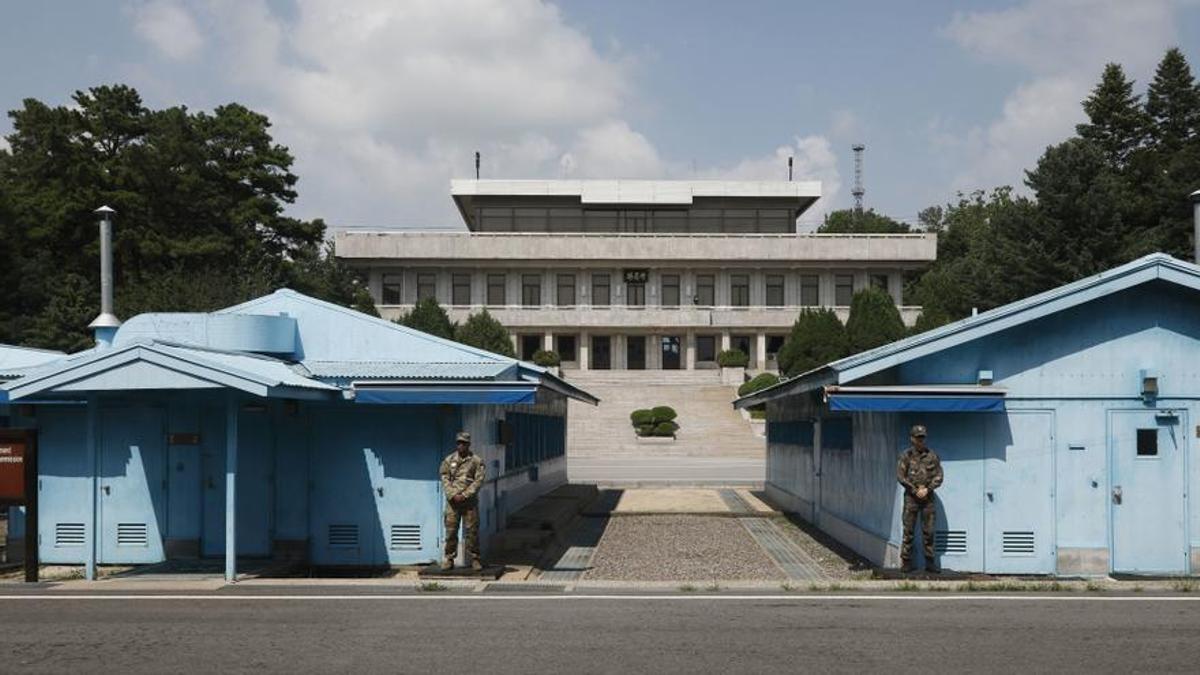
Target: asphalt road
<point>684,633</point>
<point>667,470</point>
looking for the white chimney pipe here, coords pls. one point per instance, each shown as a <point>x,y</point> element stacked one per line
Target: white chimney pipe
<point>105,325</point>
<point>1196,227</point>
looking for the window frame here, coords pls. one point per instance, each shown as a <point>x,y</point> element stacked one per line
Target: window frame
<point>503,286</point>
<point>736,298</point>
<point>559,287</point>
<point>456,284</point>
<point>424,283</point>
<point>531,293</point>
<point>781,286</point>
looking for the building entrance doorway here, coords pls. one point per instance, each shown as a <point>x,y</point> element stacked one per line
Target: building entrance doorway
<point>670,352</point>
<point>601,352</point>
<point>635,352</point>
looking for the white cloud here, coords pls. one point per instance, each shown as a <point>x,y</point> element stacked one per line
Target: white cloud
<point>612,149</point>
<point>1063,45</point>
<point>813,159</point>
<point>845,125</point>
<point>168,27</point>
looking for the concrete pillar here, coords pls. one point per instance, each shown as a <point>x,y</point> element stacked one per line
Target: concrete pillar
<point>689,350</point>
<point>584,348</point>
<point>231,457</point>
<point>725,342</point>
<point>760,351</point>
<point>548,341</point>
<point>516,343</point>
<point>93,461</point>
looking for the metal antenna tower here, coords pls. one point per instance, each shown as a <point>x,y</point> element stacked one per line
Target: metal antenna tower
<point>858,190</point>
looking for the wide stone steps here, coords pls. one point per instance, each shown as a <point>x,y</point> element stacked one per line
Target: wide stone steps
<point>709,426</point>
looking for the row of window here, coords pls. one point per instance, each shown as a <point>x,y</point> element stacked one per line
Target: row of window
<point>507,219</point>
<point>706,346</point>
<point>496,289</point>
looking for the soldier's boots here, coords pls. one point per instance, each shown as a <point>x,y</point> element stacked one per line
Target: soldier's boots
<point>476,565</point>
<point>932,568</point>
<point>906,566</point>
<point>447,565</point>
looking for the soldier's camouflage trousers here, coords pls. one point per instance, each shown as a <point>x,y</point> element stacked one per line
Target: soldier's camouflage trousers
<point>468,513</point>
<point>912,508</point>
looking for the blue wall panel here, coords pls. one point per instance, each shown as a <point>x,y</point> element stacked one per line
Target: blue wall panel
<point>65,484</point>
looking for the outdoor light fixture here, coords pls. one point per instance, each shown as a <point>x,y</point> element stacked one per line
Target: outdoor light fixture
<point>985,378</point>
<point>1149,387</point>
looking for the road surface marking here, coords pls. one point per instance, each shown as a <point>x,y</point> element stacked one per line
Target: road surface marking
<point>660,598</point>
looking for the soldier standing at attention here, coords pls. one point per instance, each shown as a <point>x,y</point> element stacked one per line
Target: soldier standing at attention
<point>462,474</point>
<point>920,472</point>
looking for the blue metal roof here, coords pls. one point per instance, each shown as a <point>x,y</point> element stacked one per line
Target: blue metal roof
<point>15,361</point>
<point>1143,270</point>
<point>398,370</point>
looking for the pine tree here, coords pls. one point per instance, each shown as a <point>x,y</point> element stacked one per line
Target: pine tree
<point>1173,103</point>
<point>429,317</point>
<point>482,330</point>
<point>1117,123</point>
<point>1170,168</point>
<point>874,320</point>
<point>817,338</point>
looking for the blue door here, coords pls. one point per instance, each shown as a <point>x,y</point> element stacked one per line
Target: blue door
<point>255,481</point>
<point>132,484</point>
<point>64,484</point>
<point>1019,492</point>
<point>344,524</point>
<point>1147,459</point>
<point>407,453</point>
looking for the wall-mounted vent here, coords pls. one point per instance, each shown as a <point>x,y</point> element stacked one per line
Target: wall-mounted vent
<point>950,542</point>
<point>68,534</point>
<point>132,534</point>
<point>1018,543</point>
<point>343,536</point>
<point>405,538</point>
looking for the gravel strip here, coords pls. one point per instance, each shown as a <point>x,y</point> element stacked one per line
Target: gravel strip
<point>834,559</point>
<point>680,548</point>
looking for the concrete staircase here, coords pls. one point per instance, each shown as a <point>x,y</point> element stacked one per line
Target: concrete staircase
<point>709,426</point>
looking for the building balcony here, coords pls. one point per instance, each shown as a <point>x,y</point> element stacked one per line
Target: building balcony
<point>429,248</point>
<point>656,319</point>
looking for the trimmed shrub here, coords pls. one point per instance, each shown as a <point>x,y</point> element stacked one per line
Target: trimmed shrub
<point>732,358</point>
<point>664,413</point>
<point>645,430</point>
<point>817,338</point>
<point>760,381</point>
<point>874,320</point>
<point>930,318</point>
<point>546,358</point>
<point>640,417</point>
<point>429,317</point>
<point>665,429</point>
<point>482,330</point>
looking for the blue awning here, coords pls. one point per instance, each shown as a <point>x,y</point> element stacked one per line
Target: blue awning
<point>916,399</point>
<point>452,394</point>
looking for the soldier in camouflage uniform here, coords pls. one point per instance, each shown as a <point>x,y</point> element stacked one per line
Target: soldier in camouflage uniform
<point>462,474</point>
<point>920,472</point>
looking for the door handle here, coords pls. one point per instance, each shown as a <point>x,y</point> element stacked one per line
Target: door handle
<point>107,490</point>
<point>991,496</point>
<point>1116,497</point>
<point>379,490</point>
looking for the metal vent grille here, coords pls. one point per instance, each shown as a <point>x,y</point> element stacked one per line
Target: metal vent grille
<point>405,538</point>
<point>68,534</point>
<point>1018,543</point>
<point>132,534</point>
<point>950,542</point>
<point>343,536</point>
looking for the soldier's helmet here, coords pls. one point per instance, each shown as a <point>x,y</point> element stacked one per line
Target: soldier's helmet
<point>462,437</point>
<point>918,431</point>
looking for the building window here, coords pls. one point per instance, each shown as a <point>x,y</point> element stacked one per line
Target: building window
<point>670,290</point>
<point>531,290</point>
<point>426,285</point>
<point>460,289</point>
<point>774,290</point>
<point>529,220</point>
<point>843,289</point>
<point>601,290</point>
<point>530,345</point>
<point>495,290</point>
<point>495,219</point>
<point>565,346</point>
<point>706,290</point>
<point>879,281</point>
<point>566,290</point>
<point>742,343</point>
<point>1147,442</point>
<point>391,289</point>
<point>706,348</point>
<point>810,290</point>
<point>635,295</point>
<point>774,344</point>
<point>739,290</point>
<point>775,220</point>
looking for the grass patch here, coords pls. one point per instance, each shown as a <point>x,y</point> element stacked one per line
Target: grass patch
<point>1138,589</point>
<point>1183,586</point>
<point>785,586</point>
<point>937,588</point>
<point>1093,587</point>
<point>433,587</point>
<point>687,588</point>
<point>836,587</point>
<point>907,586</point>
<point>713,587</point>
<point>814,587</point>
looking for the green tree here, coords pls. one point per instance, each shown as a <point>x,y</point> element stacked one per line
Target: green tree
<point>1167,171</point>
<point>852,221</point>
<point>874,320</point>
<point>928,319</point>
<point>429,317</point>
<point>818,337</point>
<point>1116,124</point>
<point>200,200</point>
<point>1173,103</point>
<point>482,330</point>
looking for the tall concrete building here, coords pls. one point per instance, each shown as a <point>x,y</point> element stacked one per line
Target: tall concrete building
<point>632,274</point>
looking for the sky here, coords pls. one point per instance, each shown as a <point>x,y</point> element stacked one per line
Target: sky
<point>382,102</point>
